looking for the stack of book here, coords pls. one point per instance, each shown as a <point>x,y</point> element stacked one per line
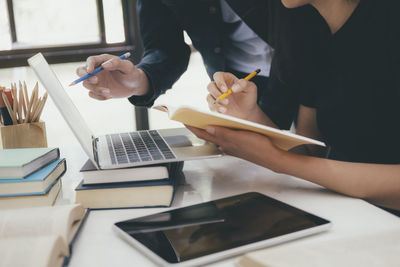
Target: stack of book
<point>145,186</point>
<point>30,177</point>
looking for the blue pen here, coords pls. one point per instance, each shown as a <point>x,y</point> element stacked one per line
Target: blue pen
<point>124,56</point>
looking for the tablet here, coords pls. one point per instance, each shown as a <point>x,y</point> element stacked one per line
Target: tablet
<point>210,231</point>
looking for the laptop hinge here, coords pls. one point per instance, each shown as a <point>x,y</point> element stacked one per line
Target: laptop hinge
<point>95,154</point>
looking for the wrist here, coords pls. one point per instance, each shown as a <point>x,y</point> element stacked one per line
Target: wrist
<point>254,114</point>
<point>140,85</point>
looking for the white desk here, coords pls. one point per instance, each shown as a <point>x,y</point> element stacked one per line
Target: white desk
<point>97,245</point>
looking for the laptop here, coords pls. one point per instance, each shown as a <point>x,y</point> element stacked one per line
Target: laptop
<point>121,150</point>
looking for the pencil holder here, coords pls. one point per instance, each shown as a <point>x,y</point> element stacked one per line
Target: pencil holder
<point>24,135</point>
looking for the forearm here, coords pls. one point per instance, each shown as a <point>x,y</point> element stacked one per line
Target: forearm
<point>377,183</point>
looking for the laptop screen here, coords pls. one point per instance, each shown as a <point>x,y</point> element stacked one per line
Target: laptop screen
<point>63,102</point>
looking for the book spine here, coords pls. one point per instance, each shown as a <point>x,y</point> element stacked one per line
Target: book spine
<point>177,176</point>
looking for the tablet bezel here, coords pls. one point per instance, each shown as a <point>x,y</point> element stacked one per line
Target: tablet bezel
<point>226,253</point>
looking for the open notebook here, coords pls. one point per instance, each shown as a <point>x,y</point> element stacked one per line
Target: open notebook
<point>200,118</point>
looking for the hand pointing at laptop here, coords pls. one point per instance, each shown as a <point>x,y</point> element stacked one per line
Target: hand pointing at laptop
<point>119,79</point>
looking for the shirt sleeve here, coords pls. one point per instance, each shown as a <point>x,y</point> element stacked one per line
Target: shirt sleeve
<point>166,55</point>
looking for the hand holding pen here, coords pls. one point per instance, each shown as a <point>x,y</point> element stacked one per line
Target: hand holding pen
<point>242,100</point>
<point>107,76</point>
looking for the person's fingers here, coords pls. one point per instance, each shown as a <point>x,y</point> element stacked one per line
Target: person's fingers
<point>124,66</point>
<point>94,61</point>
<point>214,90</point>
<point>95,88</point>
<point>224,137</point>
<point>211,102</point>
<point>222,109</point>
<point>216,93</point>
<point>105,92</point>
<point>216,105</point>
<point>200,133</point>
<point>219,79</point>
<point>93,80</point>
<point>89,85</point>
<point>81,71</point>
<point>218,135</point>
<point>222,133</point>
<point>243,85</point>
<point>98,97</point>
<point>98,90</point>
<point>223,102</point>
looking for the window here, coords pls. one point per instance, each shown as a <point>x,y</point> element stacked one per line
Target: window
<point>66,31</point>
<point>114,22</point>
<point>42,23</point>
<point>5,37</point>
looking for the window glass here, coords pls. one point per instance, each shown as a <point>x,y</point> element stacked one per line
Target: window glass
<point>114,21</point>
<point>55,22</point>
<point>5,36</point>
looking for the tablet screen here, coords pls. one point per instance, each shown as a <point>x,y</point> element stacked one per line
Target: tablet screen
<point>187,233</point>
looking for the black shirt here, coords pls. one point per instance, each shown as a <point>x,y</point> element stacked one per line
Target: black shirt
<point>352,79</point>
<point>166,55</point>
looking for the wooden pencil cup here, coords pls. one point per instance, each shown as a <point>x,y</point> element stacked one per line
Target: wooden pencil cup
<point>24,135</point>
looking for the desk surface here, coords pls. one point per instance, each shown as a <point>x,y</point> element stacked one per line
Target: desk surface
<point>98,245</point>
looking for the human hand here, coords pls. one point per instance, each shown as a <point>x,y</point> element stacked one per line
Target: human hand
<point>241,103</point>
<point>247,145</point>
<point>120,78</point>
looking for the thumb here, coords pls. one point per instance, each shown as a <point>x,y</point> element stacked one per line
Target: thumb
<point>124,66</point>
<point>243,85</point>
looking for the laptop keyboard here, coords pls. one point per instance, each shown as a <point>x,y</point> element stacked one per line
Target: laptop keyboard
<point>138,146</point>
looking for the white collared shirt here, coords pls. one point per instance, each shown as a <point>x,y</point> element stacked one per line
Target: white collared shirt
<point>246,51</point>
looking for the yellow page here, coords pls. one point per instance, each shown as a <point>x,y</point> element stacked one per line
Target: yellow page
<point>200,119</point>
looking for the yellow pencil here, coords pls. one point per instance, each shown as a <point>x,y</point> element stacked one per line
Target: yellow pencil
<point>248,77</point>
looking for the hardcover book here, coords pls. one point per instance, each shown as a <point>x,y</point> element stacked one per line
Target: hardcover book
<point>36,182</point>
<point>92,175</point>
<point>153,193</point>
<point>20,162</point>
<point>45,198</point>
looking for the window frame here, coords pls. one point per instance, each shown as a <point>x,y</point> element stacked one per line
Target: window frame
<point>78,52</point>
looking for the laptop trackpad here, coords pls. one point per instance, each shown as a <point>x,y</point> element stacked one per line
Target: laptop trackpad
<point>178,141</point>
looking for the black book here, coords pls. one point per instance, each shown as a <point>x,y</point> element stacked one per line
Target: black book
<point>151,193</point>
